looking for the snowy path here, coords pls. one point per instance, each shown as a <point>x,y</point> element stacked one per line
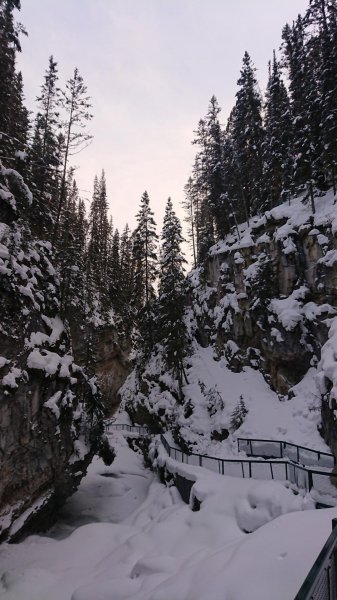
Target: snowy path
<point>123,535</point>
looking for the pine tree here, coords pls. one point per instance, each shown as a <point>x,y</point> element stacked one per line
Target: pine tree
<point>209,178</point>
<point>98,245</point>
<point>172,333</point>
<point>238,415</point>
<point>307,150</point>
<point>45,153</point>
<point>76,103</point>
<point>126,279</point>
<point>322,14</point>
<point>114,274</point>
<point>205,228</point>
<point>13,115</point>
<point>277,144</point>
<point>190,205</point>
<point>70,255</point>
<point>247,137</point>
<point>145,272</point>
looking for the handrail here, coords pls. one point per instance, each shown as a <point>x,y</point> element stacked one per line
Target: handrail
<point>283,445</point>
<point>292,470</point>
<point>321,579</point>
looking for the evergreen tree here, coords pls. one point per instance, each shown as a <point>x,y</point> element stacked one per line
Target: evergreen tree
<point>190,204</point>
<point>98,245</point>
<point>247,137</point>
<point>76,104</point>
<point>307,150</point>
<point>209,177</point>
<point>126,277</point>
<point>277,157</point>
<point>172,333</point>
<point>114,267</point>
<point>238,415</point>
<point>45,153</point>
<point>322,15</point>
<point>70,255</point>
<point>13,115</point>
<point>145,272</point>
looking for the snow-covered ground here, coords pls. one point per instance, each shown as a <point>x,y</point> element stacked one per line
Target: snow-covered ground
<point>124,535</point>
<point>295,420</point>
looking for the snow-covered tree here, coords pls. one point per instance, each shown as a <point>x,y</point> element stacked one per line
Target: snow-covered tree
<point>277,158</point>
<point>144,274</point>
<point>98,244</point>
<point>171,328</point>
<point>247,133</point>
<point>13,114</point>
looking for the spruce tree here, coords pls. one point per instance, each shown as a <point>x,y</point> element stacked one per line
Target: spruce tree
<point>277,144</point>
<point>300,60</point>
<point>322,15</point>
<point>247,137</point>
<point>98,245</point>
<point>76,104</point>
<point>45,155</point>
<point>126,280</point>
<point>12,112</point>
<point>114,268</point>
<point>171,328</point>
<point>209,178</point>
<point>145,272</point>
<point>190,205</point>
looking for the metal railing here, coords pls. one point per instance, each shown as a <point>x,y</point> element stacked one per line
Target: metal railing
<point>323,482</point>
<point>282,449</point>
<point>285,469</point>
<point>321,581</point>
<point>141,429</point>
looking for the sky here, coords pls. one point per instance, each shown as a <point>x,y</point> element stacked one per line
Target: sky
<point>151,67</point>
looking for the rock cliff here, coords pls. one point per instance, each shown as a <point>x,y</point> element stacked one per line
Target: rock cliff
<point>48,417</point>
<point>266,299</point>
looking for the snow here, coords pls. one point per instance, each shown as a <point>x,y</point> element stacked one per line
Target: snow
<point>52,404</point>
<point>124,535</point>
<point>296,215</point>
<point>50,362</point>
<point>329,260</point>
<point>12,174</point>
<point>6,195</point>
<point>3,361</point>
<point>4,254</point>
<point>10,379</point>
<point>288,310</point>
<point>38,338</point>
<point>327,367</point>
<point>21,155</point>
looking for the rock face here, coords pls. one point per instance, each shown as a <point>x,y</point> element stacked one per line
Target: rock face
<point>46,439</point>
<point>267,297</point>
<point>269,300</point>
<point>112,361</point>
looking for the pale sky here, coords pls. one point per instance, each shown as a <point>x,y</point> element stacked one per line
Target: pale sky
<point>151,67</point>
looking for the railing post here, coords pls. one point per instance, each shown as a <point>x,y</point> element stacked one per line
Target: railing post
<point>250,469</point>
<point>310,481</point>
<point>281,449</point>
